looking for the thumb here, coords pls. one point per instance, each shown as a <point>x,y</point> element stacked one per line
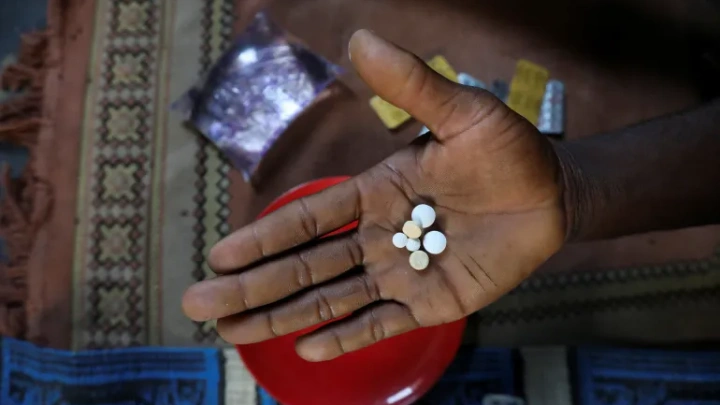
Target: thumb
<point>404,80</point>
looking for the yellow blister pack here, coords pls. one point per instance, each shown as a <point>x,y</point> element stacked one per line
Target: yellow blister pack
<point>527,89</point>
<point>391,116</point>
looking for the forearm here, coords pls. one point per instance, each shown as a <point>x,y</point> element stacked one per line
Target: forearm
<point>661,174</point>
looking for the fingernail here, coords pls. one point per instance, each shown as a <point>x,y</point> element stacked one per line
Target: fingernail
<point>355,35</point>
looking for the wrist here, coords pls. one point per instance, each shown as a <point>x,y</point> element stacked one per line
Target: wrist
<point>576,193</point>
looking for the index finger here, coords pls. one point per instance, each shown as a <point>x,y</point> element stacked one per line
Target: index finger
<point>294,224</point>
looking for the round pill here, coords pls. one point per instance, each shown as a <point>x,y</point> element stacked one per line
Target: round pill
<point>424,215</point>
<point>400,240</point>
<point>419,260</point>
<point>434,242</point>
<point>413,245</point>
<point>412,230</point>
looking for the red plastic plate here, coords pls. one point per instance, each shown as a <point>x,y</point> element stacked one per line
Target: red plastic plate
<point>397,371</point>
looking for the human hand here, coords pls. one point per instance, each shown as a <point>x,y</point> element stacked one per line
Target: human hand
<point>494,181</point>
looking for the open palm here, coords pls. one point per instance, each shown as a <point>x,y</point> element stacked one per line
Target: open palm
<point>494,181</point>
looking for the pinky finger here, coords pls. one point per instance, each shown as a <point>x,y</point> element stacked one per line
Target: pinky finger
<point>363,329</point>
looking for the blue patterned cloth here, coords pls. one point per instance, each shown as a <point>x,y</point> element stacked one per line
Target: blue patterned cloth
<point>135,376</point>
<point>647,377</point>
<point>474,373</point>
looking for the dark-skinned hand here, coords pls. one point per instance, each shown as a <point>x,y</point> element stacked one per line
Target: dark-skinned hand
<point>494,181</point>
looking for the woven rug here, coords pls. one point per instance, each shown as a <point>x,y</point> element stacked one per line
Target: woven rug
<point>152,195</point>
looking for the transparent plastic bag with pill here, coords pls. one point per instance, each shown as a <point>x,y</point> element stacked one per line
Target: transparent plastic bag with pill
<point>254,91</point>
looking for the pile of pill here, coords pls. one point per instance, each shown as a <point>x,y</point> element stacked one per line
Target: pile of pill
<point>434,242</point>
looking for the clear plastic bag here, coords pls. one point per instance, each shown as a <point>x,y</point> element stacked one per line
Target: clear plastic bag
<point>254,91</point>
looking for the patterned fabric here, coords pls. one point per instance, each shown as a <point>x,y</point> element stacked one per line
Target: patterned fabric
<point>152,194</point>
<point>157,376</point>
<point>546,377</point>
<point>647,377</point>
<point>211,198</point>
<point>474,374</point>
<point>240,388</point>
<point>150,376</point>
<point>640,303</point>
<point>115,236</point>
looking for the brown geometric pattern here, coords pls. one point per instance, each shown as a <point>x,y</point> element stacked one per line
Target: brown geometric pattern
<point>584,307</point>
<point>124,121</point>
<point>212,183</point>
<point>659,303</point>
<point>120,180</point>
<point>113,258</point>
<point>562,281</point>
<point>677,276</point>
<point>115,310</point>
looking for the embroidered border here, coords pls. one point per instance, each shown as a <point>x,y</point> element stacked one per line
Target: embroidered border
<point>212,183</point>
<point>112,257</point>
